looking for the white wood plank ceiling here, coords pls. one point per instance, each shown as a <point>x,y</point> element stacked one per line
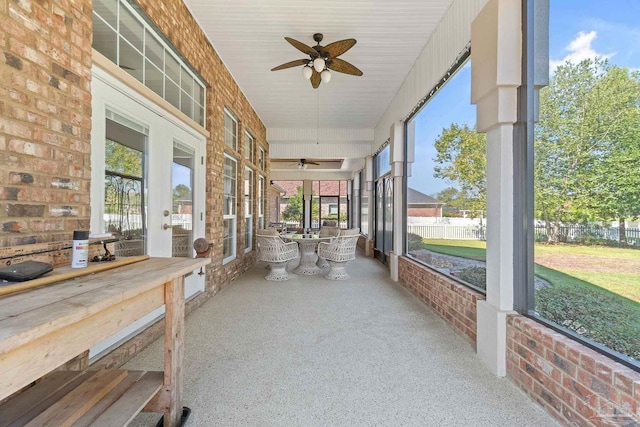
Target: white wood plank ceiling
<point>249,37</point>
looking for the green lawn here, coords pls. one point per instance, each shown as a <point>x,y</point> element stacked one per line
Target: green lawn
<point>595,292</point>
<point>624,284</point>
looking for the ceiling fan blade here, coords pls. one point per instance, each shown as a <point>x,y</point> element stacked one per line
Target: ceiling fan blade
<point>295,63</point>
<point>313,163</point>
<point>315,79</point>
<point>337,64</point>
<point>338,48</point>
<point>301,47</point>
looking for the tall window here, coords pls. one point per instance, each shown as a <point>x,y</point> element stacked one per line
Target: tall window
<point>262,200</point>
<point>587,178</point>
<point>383,226</point>
<point>230,130</point>
<point>126,168</point>
<point>329,203</point>
<point>364,205</point>
<point>446,202</point>
<point>262,159</point>
<point>248,209</point>
<point>230,226</point>
<point>248,147</point>
<point>291,208</point>
<point>128,40</point>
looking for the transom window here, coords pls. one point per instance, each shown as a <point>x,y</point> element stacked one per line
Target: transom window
<point>122,35</point>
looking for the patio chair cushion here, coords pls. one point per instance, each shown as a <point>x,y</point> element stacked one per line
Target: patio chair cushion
<point>329,231</point>
<point>350,232</point>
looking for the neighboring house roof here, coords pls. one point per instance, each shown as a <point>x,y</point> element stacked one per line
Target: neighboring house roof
<point>415,197</point>
<point>289,187</point>
<point>325,188</point>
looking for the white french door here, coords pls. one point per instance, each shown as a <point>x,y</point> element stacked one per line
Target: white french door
<point>148,180</point>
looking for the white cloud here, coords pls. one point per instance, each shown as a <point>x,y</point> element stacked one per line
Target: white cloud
<point>579,49</point>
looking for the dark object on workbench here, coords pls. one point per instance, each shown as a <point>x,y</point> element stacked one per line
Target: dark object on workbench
<point>108,256</point>
<point>23,271</point>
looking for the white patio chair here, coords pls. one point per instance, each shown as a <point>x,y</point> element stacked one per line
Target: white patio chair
<point>338,252</point>
<point>326,232</point>
<point>273,250</point>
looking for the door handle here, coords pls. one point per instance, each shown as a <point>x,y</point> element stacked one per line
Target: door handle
<point>166,226</point>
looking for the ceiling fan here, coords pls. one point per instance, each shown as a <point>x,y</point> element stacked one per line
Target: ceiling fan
<point>302,163</point>
<point>321,60</point>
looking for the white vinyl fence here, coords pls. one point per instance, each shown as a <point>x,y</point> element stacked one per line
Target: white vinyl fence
<point>448,231</point>
<point>568,233</point>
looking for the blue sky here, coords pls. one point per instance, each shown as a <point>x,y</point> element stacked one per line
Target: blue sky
<point>579,29</point>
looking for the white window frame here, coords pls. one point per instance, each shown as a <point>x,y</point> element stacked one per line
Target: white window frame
<point>248,208</point>
<point>262,158</point>
<point>262,182</point>
<point>230,182</point>
<point>249,147</point>
<point>233,133</point>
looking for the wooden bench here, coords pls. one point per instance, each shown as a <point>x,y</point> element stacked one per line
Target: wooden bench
<point>43,328</point>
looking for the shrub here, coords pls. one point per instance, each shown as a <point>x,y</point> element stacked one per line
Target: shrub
<point>541,237</point>
<point>593,314</point>
<point>477,276</point>
<point>414,241</point>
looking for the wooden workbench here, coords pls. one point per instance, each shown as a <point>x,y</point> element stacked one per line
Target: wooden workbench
<point>43,328</point>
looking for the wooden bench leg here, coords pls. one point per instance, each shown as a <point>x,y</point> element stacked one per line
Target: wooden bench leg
<point>173,349</point>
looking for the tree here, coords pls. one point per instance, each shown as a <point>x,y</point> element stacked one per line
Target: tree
<point>614,189</point>
<point>181,193</point>
<point>456,200</point>
<point>587,141</point>
<point>123,160</point>
<point>294,209</point>
<point>461,159</point>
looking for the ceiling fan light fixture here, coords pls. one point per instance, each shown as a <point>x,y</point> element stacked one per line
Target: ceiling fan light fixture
<point>307,71</point>
<point>319,64</point>
<point>326,76</point>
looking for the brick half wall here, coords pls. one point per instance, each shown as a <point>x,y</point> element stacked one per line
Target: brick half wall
<point>576,385</point>
<point>453,301</point>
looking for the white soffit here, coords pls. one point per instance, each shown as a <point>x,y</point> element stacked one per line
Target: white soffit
<point>249,37</point>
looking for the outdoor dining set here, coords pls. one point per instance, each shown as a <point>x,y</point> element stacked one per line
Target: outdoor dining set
<point>328,248</point>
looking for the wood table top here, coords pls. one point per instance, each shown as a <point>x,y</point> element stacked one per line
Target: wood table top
<point>32,314</point>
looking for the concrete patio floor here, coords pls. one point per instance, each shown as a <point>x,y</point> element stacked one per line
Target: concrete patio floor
<point>311,352</point>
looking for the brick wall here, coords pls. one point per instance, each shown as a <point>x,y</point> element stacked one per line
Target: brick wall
<point>45,124</point>
<point>273,203</point>
<point>454,302</point>
<point>575,384</point>
<point>45,120</point>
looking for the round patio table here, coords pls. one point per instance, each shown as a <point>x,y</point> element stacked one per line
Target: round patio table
<point>308,244</point>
